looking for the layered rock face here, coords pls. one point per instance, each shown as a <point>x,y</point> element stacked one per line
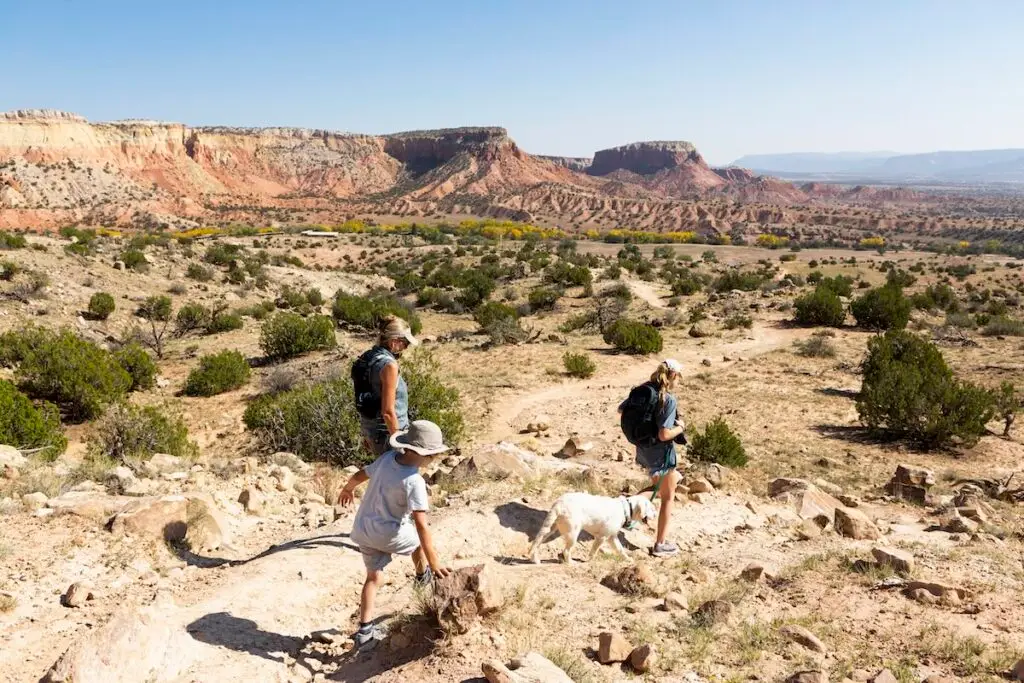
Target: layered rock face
<point>645,158</point>
<point>579,164</point>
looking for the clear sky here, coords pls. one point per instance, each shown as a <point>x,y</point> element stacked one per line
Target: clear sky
<point>565,77</point>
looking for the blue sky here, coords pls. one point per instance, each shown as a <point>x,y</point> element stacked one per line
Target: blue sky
<point>732,76</point>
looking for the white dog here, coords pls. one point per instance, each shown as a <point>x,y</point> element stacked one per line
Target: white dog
<point>600,516</point>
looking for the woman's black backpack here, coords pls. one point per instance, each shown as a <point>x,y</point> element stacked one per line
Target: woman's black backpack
<point>367,400</point>
<point>639,419</point>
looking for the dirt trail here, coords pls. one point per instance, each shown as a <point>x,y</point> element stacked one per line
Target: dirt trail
<point>555,400</point>
<point>645,291</point>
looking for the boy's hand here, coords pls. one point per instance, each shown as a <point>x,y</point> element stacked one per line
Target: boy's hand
<point>346,497</point>
<point>441,571</point>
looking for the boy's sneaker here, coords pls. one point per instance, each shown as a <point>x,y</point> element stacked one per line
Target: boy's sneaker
<point>425,579</point>
<point>666,549</point>
<point>368,637</point>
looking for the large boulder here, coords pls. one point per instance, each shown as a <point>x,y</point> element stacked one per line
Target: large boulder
<point>810,502</point>
<point>9,455</point>
<point>88,504</point>
<point>135,645</point>
<point>529,668</point>
<point>204,529</point>
<point>505,460</point>
<point>165,517</point>
<point>463,597</point>
<point>613,648</point>
<point>911,483</point>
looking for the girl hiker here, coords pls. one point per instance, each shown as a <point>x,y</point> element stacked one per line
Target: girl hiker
<point>392,516</point>
<point>651,422</point>
<point>381,395</point>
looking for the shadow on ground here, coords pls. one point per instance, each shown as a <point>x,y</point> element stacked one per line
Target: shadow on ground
<point>327,540</point>
<point>839,393</point>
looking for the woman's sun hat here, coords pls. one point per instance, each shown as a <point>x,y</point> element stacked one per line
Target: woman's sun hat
<point>423,437</point>
<point>673,365</point>
<point>397,328</point>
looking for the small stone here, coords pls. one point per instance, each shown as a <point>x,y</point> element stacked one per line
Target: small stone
<point>675,602</point>
<point>799,634</point>
<point>284,476</point>
<point>76,595</point>
<point>752,572</point>
<point>34,501</point>
<point>808,677</point>
<point>900,560</point>
<point>251,500</point>
<point>574,446</point>
<point>713,612</point>
<point>634,579</point>
<point>642,658</point>
<point>706,362</point>
<point>613,648</point>
<point>884,676</point>
<point>699,486</point>
<point>960,525</point>
<point>700,498</point>
<point>855,524</point>
<point>922,596</point>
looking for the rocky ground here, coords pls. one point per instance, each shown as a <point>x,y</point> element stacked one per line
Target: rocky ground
<point>829,557</point>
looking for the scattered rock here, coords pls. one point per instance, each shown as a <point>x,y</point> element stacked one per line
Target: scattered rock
<point>808,677</point>
<point>574,446</point>
<point>9,455</point>
<point>700,498</point>
<point>1017,672</point>
<point>713,612</point>
<point>706,362</point>
<point>922,596</point>
<point>635,579</point>
<point>160,464</point>
<point>828,487</point>
<point>939,678</point>
<point>462,597</point>
<point>76,595</point>
<point>699,486</point>
<point>675,602</point>
<point>292,462</point>
<point>800,635</point>
<point>752,572</point>
<point>855,524</point>
<point>252,500</point>
<point>642,658</point>
<point>947,595</point>
<point>529,668</point>
<point>87,504</point>
<point>810,502</point>
<point>284,476</point>
<point>884,676</point>
<point>33,501</point>
<point>900,560</point>
<point>715,474</point>
<point>848,500</point>
<point>911,483</point>
<point>203,531</point>
<point>808,529</point>
<point>956,524</point>
<point>140,488</point>
<point>316,515</point>
<point>612,648</point>
<point>164,517</point>
<point>974,513</point>
<point>501,460</point>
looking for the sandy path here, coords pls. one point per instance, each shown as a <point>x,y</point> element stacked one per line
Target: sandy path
<point>644,290</point>
<point>556,400</point>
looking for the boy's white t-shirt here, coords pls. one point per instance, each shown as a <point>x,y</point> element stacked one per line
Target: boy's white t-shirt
<point>384,519</point>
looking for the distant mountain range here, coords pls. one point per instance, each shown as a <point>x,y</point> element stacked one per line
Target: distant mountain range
<point>975,167</point>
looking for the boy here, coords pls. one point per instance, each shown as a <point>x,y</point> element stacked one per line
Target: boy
<point>392,516</point>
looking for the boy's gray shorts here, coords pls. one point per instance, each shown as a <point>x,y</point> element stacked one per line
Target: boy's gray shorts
<point>377,560</point>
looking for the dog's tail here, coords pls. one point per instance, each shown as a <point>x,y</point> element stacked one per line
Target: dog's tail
<point>545,529</point>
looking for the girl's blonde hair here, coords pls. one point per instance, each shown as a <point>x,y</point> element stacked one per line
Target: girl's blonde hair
<point>393,327</point>
<point>664,378</point>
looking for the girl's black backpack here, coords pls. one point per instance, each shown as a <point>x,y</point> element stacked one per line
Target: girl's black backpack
<point>366,399</point>
<point>639,419</point>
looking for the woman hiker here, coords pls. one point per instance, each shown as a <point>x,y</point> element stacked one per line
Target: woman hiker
<point>381,395</point>
<point>656,441</point>
<point>392,517</point>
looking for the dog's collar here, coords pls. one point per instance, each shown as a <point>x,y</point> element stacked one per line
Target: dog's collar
<point>628,510</point>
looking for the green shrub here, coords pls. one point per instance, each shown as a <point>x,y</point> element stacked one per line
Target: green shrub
<point>199,273</point>
<point>129,433</point>
<point>369,312</point>
<point>1009,402</point>
<point>217,373</point>
<point>24,425</point>
<point>139,365</point>
<point>579,321</point>
<point>578,365</point>
<point>155,309</point>
<point>686,286</point>
<point>222,321</point>
<point>492,311</point>
<point>960,320</point>
<point>223,254</point>
<point>191,318</point>
<point>620,291</point>
<point>820,307</point>
<point>101,305</point>
<point>939,296</point>
<point>543,298</point>
<point>719,444</point>
<point>1003,326</point>
<point>909,392</point>
<point>319,421</point>
<point>314,297</point>
<point>568,275</point>
<point>288,334</point>
<point>840,285</point>
<point>257,311</point>
<point>632,336</point>
<point>746,281</point>
<point>502,331</point>
<point>8,270</point>
<point>134,259</point>
<point>61,367</point>
<point>816,347</point>
<point>12,240</point>
<point>882,308</point>
<point>739,320</point>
